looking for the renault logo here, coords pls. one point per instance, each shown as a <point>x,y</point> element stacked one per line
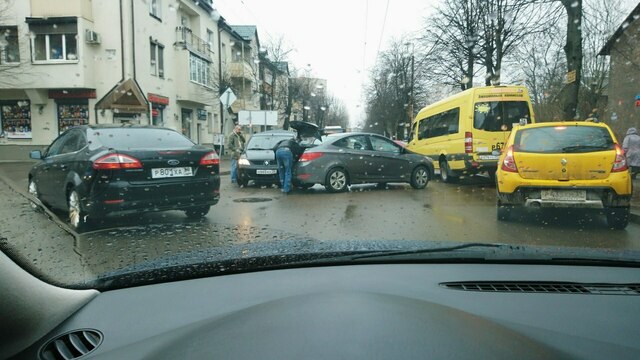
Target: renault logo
<point>173,162</point>
<point>563,162</point>
<point>266,162</point>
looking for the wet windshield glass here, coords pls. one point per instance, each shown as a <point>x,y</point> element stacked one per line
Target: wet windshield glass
<point>139,134</point>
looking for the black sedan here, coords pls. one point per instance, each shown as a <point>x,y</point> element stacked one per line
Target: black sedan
<point>97,170</point>
<point>351,158</point>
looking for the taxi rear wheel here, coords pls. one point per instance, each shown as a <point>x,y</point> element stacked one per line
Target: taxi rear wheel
<point>504,212</point>
<point>618,217</point>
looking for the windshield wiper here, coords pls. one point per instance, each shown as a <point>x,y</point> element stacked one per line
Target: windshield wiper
<point>578,148</point>
<point>445,249</point>
<point>257,149</point>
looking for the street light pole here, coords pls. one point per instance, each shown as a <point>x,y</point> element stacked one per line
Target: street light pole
<point>410,106</point>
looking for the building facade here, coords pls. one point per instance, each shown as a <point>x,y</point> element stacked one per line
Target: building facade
<point>623,108</point>
<point>147,62</point>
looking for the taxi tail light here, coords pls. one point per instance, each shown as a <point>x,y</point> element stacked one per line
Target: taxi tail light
<point>509,163</point>
<point>620,164</point>
<point>468,142</point>
<point>210,159</point>
<point>308,156</point>
<point>117,161</point>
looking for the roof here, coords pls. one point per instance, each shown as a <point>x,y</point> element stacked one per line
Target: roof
<point>248,32</point>
<point>635,14</point>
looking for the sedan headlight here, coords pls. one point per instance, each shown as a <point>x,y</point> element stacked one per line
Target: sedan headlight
<point>244,162</point>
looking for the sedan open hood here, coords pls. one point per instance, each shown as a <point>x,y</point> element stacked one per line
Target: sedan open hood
<point>306,129</point>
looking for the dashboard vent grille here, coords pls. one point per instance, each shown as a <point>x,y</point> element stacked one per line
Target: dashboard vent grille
<point>545,287</point>
<point>71,345</point>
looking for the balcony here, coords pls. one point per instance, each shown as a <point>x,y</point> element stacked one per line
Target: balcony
<point>241,69</point>
<point>58,8</point>
<point>193,43</point>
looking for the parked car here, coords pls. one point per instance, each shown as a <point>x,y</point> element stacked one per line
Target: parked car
<point>258,162</point>
<point>350,158</point>
<point>566,165</point>
<point>98,170</point>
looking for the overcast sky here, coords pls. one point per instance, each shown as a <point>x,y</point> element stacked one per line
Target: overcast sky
<point>338,38</point>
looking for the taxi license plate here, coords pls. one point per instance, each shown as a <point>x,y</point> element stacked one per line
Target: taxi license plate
<point>266,172</point>
<point>171,172</point>
<point>564,195</point>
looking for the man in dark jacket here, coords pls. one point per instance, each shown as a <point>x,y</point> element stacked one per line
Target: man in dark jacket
<point>287,153</point>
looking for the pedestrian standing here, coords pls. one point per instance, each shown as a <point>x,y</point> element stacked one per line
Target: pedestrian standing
<point>631,147</point>
<point>236,146</point>
<point>288,152</point>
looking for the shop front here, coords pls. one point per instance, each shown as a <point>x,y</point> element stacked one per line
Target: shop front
<point>158,105</point>
<point>15,119</point>
<point>72,107</point>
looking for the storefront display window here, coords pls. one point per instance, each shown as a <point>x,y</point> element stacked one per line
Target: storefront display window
<point>72,114</point>
<point>16,119</point>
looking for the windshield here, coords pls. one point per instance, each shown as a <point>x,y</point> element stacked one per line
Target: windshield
<point>139,135</point>
<point>267,142</point>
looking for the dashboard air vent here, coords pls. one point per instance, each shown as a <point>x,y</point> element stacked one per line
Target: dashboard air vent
<point>71,345</point>
<point>545,287</point>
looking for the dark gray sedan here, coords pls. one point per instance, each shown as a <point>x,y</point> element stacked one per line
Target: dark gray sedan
<point>352,158</point>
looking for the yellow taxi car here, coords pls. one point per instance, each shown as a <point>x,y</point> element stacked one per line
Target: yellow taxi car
<point>567,165</point>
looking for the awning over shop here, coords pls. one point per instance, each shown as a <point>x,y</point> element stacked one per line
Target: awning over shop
<point>126,96</point>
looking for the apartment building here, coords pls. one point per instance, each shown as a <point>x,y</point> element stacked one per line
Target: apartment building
<point>72,62</point>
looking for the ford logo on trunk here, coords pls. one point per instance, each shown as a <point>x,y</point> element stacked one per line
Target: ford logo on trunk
<point>173,162</point>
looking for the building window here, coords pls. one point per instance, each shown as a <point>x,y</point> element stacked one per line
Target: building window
<point>154,9</point>
<point>54,42</point>
<point>9,49</point>
<point>157,58</point>
<point>199,70</point>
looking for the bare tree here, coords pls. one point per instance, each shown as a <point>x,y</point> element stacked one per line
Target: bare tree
<point>573,54</point>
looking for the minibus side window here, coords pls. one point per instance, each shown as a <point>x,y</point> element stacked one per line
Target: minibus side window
<point>423,128</point>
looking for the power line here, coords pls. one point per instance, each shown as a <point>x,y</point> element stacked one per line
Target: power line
<point>384,21</point>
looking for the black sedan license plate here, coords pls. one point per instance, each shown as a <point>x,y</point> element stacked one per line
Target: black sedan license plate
<point>171,172</point>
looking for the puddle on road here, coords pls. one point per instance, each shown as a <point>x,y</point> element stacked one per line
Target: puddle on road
<point>252,200</point>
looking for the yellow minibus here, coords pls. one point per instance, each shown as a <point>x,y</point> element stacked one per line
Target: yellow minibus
<point>464,133</point>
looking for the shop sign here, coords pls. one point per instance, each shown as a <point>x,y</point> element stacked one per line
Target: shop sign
<point>202,114</point>
<point>158,99</point>
<point>72,94</point>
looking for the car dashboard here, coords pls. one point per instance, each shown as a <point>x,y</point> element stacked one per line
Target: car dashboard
<point>374,311</point>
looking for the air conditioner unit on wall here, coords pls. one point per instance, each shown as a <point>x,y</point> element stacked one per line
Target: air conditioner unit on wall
<point>92,37</point>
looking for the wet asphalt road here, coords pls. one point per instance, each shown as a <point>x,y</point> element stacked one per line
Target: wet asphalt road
<point>460,212</point>
<point>442,212</point>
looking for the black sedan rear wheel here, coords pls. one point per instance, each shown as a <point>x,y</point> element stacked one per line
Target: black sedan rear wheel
<point>197,212</point>
<point>337,180</point>
<point>419,177</point>
<point>77,216</point>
